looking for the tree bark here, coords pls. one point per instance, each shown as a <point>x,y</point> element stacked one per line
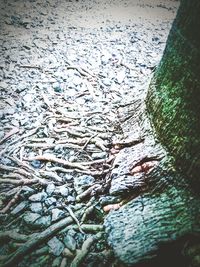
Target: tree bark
<point>173,99</point>
<point>168,213</point>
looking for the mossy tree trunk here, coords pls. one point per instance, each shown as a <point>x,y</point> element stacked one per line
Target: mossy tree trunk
<point>173,99</point>
<point>168,212</point>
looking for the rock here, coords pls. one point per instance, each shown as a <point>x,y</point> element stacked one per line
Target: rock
<point>5,161</point>
<point>63,190</point>
<point>56,262</point>
<point>121,76</point>
<point>82,182</point>
<point>27,191</point>
<point>31,217</point>
<point>19,207</point>
<point>21,87</point>
<point>1,134</point>
<point>68,177</point>
<point>50,189</point>
<point>77,80</point>
<point>99,155</point>
<point>36,207</point>
<point>36,164</point>
<point>28,98</point>
<point>57,87</point>
<point>70,242</point>
<point>3,85</point>
<point>71,199</point>
<point>107,81</point>
<point>80,101</point>
<point>41,196</point>
<point>50,201</point>
<point>56,246</point>
<point>57,214</point>
<point>44,221</point>
<point>9,111</point>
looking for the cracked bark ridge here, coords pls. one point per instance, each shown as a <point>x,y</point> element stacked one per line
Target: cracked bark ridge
<point>138,229</point>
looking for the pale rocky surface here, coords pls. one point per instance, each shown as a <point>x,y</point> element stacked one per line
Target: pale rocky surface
<point>73,79</point>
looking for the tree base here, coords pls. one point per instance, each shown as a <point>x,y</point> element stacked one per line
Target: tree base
<point>157,221</point>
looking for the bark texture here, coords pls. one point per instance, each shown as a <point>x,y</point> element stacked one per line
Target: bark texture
<point>169,211</point>
<point>138,230</point>
<point>173,99</point>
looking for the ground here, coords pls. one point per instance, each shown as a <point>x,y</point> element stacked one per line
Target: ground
<point>74,76</point>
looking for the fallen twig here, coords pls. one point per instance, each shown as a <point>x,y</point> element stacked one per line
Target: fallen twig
<point>13,234</point>
<point>52,158</point>
<point>89,139</point>
<point>36,240</point>
<point>88,172</point>
<point>81,254</point>
<point>9,134</point>
<point>87,192</point>
<point>11,202</point>
<point>87,212</point>
<point>87,228</point>
<point>74,217</point>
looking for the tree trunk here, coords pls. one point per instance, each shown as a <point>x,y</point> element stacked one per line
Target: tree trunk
<point>173,100</point>
<point>168,212</point>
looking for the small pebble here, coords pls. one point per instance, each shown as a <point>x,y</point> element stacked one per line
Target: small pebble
<point>36,164</point>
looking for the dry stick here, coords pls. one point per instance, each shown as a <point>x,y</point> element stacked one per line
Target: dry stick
<point>80,141</point>
<point>81,254</point>
<point>75,219</point>
<point>7,235</point>
<point>36,240</point>
<point>13,176</point>
<point>87,228</point>
<point>51,175</point>
<point>63,262</point>
<point>18,139</point>
<point>89,139</point>
<point>87,192</point>
<point>69,131</point>
<point>93,228</point>
<point>98,161</point>
<point>21,152</point>
<point>11,202</point>
<point>46,101</point>
<point>23,172</point>
<point>87,212</point>
<point>81,70</point>
<point>7,168</point>
<point>26,135</point>
<point>57,160</point>
<point>88,172</point>
<point>29,67</point>
<point>11,192</point>
<point>47,146</point>
<point>9,134</point>
<point>23,181</point>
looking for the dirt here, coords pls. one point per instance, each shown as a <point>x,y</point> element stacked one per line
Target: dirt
<point>73,76</point>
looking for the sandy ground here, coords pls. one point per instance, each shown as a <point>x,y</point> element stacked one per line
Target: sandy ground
<point>69,71</point>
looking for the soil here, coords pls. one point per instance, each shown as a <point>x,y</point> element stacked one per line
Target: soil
<point>73,76</point>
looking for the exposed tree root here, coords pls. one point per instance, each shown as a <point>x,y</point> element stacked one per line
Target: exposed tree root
<point>87,192</point>
<point>35,241</point>
<point>9,134</point>
<point>81,254</point>
<point>54,159</point>
<point>11,202</point>
<point>8,235</point>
